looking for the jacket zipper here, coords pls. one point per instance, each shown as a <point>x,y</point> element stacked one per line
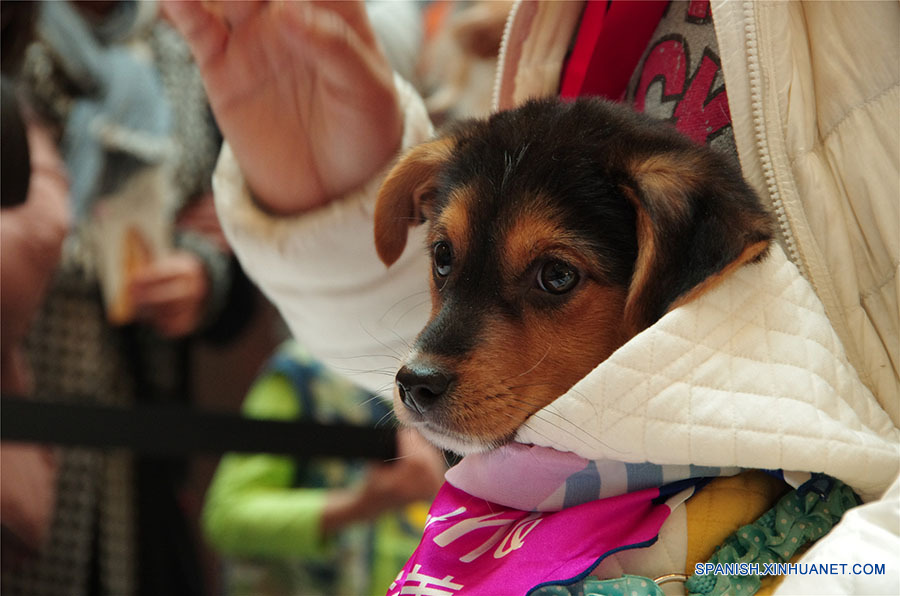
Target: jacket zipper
<point>751,42</point>
<point>501,56</point>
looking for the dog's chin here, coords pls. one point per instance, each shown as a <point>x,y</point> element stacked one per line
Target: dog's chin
<point>452,441</point>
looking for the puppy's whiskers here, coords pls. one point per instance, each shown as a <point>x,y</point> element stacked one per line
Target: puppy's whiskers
<point>390,418</point>
<point>390,309</point>
<point>589,439</point>
<point>335,358</point>
<point>385,345</point>
<point>412,308</point>
<point>536,364</point>
<point>563,390</point>
<point>387,372</point>
<point>536,431</point>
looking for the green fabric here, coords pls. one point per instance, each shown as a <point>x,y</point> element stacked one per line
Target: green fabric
<point>248,512</point>
<point>272,397</point>
<point>627,585</point>
<point>262,511</point>
<point>800,518</point>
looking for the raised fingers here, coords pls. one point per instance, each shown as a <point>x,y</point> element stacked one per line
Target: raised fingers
<point>202,26</point>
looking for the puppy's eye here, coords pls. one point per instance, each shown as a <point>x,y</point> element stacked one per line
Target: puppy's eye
<point>442,258</point>
<point>557,277</point>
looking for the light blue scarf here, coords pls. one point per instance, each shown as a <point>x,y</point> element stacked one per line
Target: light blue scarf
<point>120,119</point>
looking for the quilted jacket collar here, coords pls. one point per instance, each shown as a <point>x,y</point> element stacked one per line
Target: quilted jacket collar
<point>750,374</point>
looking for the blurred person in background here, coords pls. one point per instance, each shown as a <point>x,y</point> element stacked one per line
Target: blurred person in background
<point>33,222</point>
<point>124,105</point>
<point>324,526</point>
<point>34,219</point>
<point>810,114</point>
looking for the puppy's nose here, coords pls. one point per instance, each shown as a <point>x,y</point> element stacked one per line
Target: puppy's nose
<point>421,386</point>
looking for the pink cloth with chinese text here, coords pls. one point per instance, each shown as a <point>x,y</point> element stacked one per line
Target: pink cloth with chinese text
<point>474,546</point>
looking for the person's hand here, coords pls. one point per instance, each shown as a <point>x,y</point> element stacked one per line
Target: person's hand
<point>170,293</point>
<point>301,91</point>
<point>27,492</point>
<point>416,475</point>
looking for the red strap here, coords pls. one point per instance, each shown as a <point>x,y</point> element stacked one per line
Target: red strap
<point>611,39</point>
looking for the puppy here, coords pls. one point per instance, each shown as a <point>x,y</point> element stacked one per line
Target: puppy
<point>557,231</point>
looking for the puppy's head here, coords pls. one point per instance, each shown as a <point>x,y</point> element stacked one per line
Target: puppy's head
<point>556,232</point>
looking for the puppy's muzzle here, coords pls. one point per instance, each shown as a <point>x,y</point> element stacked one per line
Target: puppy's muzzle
<point>421,386</point>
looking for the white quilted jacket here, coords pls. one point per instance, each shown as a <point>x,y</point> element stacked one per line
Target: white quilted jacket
<point>789,364</point>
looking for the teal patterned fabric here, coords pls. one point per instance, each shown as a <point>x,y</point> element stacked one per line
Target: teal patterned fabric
<point>627,585</point>
<point>800,518</point>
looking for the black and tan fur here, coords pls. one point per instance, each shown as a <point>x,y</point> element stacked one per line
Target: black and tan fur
<point>643,219</point>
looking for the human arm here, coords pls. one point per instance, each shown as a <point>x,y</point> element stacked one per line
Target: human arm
<point>256,507</point>
<point>415,475</point>
<point>320,268</point>
<point>252,507</point>
<point>31,236</point>
<point>27,493</point>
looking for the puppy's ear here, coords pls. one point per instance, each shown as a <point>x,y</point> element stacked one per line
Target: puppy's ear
<point>402,197</point>
<point>697,220</point>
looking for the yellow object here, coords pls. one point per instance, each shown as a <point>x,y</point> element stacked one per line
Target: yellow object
<point>723,506</point>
